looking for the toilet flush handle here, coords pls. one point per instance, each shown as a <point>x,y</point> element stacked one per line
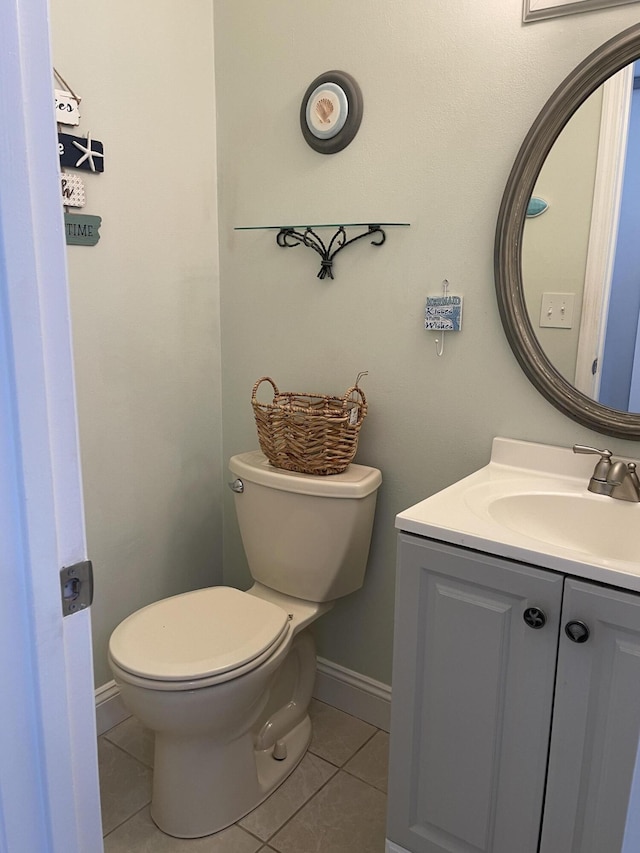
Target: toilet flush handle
<point>237,486</point>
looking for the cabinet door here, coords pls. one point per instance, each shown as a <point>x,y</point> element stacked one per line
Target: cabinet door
<point>472,697</point>
<point>596,724</point>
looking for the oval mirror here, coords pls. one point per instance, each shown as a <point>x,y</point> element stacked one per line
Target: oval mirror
<point>556,271</point>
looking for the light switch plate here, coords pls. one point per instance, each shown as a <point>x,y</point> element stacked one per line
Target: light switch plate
<point>556,310</point>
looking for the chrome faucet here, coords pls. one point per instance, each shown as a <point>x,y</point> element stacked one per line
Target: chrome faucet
<point>617,480</point>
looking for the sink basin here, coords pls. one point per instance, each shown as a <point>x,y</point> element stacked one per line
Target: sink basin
<point>592,525</point>
<point>531,503</point>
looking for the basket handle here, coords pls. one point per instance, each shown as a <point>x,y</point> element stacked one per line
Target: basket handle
<point>358,408</point>
<point>259,382</point>
<point>355,389</point>
<point>358,390</point>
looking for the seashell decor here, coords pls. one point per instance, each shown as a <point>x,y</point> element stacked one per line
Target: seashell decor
<point>324,109</point>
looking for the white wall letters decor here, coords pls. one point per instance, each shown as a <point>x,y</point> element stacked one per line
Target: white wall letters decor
<point>67,108</point>
<point>72,187</point>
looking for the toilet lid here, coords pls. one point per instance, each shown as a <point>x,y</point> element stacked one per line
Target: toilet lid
<point>197,634</point>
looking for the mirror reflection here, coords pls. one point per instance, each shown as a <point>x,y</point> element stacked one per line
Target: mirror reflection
<point>581,255</point>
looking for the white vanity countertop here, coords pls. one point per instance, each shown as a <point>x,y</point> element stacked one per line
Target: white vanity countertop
<point>597,537</point>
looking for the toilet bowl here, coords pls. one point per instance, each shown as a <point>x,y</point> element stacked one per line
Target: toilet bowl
<point>224,677</point>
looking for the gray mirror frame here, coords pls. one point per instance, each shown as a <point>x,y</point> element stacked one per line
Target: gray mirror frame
<point>582,82</point>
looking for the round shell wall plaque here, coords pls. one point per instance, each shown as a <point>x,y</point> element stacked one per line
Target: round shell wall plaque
<point>331,112</point>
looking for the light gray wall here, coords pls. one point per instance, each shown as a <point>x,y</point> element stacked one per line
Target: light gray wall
<point>450,90</point>
<point>145,302</point>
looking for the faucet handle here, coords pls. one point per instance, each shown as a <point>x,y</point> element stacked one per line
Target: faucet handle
<point>602,468</point>
<point>582,448</point>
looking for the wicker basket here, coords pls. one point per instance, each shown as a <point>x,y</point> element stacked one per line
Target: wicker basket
<point>309,433</point>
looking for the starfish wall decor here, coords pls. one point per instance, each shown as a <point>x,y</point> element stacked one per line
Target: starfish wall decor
<point>80,153</point>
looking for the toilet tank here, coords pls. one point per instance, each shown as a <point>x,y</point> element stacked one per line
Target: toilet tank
<point>305,535</point>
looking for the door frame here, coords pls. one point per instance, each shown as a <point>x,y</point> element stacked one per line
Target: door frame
<point>49,793</point>
<point>603,234</point>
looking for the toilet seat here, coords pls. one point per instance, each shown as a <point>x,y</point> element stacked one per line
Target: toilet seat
<point>197,638</point>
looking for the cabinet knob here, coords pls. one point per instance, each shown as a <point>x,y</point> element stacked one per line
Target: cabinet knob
<point>576,631</point>
<point>534,617</point>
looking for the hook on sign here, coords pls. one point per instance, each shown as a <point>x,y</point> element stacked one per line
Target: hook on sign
<point>440,342</point>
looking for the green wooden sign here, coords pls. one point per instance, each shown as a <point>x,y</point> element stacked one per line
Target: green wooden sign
<point>81,229</point>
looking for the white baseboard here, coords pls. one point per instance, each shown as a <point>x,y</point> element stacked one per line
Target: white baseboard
<point>356,694</point>
<point>390,847</point>
<point>109,707</point>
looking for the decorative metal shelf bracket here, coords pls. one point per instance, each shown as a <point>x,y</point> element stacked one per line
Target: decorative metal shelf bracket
<point>289,238</point>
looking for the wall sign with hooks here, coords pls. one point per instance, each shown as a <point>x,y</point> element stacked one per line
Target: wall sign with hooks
<point>76,152</point>
<point>443,314</point>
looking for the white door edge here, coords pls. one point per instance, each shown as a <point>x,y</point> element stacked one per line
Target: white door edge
<point>49,794</point>
<point>612,149</point>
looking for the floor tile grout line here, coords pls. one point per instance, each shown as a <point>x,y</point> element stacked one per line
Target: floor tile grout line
<point>360,779</point>
<point>339,768</point>
<point>357,752</point>
<point>130,754</point>
<point>291,816</point>
<point>313,796</point>
<point>360,748</point>
<point>351,757</point>
<point>306,803</point>
<point>131,816</point>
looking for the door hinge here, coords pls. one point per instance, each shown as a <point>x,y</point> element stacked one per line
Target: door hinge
<point>76,587</point>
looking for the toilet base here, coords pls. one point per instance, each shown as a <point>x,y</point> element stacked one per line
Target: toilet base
<point>215,763</point>
<point>271,772</point>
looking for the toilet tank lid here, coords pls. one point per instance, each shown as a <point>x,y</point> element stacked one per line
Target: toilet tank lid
<point>357,481</point>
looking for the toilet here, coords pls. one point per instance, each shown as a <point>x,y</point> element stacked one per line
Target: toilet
<point>224,677</point>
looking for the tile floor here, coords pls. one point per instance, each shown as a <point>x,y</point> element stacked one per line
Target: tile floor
<point>333,802</point>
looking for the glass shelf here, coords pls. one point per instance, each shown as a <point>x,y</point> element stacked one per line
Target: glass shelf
<point>290,236</point>
<point>323,225</point>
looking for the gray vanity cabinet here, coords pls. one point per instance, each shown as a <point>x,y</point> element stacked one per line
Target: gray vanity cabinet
<point>596,725</point>
<point>477,700</point>
<point>472,698</point>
